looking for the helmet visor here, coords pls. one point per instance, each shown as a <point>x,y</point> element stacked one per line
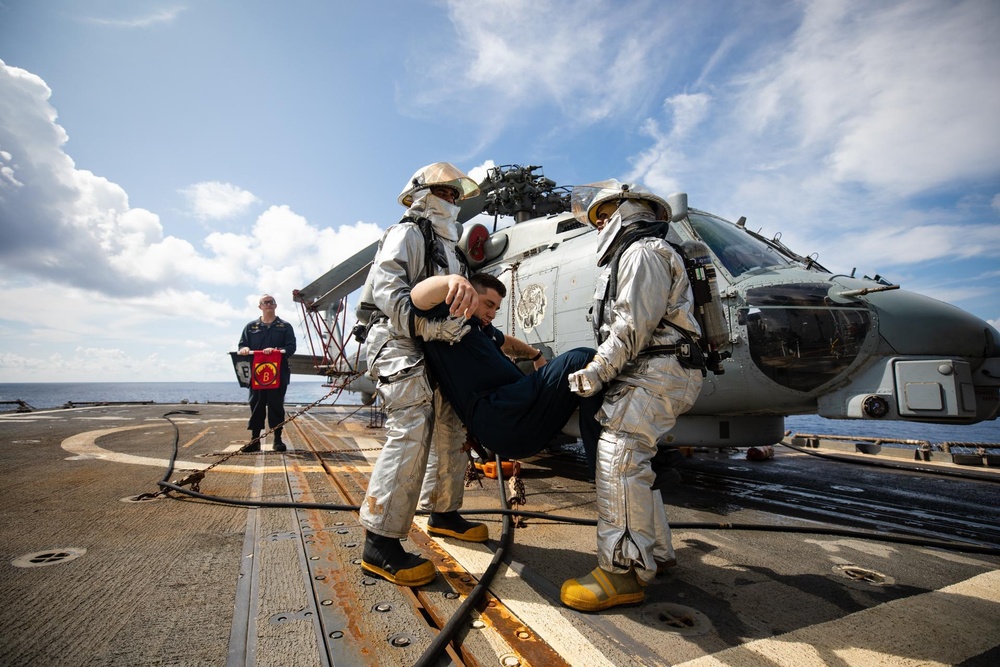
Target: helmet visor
<point>587,201</point>
<point>586,198</point>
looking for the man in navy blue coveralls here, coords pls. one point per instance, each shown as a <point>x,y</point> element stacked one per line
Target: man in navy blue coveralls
<point>268,332</point>
<point>513,414</point>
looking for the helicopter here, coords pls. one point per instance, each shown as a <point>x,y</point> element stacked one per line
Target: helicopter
<point>798,339</point>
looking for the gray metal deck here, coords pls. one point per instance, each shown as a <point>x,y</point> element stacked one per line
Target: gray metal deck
<point>188,582</point>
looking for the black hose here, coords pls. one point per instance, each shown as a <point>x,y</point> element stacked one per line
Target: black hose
<point>441,640</point>
<point>963,547</point>
<point>177,439</point>
<point>257,503</point>
<point>443,637</point>
<point>476,594</point>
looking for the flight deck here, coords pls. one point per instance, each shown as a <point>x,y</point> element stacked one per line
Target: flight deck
<point>773,563</point>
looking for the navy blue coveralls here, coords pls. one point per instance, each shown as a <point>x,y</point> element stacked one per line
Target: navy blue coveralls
<point>513,414</point>
<point>270,402</point>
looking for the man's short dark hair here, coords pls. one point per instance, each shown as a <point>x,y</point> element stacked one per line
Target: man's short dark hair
<point>484,281</point>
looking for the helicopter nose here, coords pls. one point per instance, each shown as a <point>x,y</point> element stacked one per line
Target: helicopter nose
<point>874,353</point>
<point>940,363</point>
<point>913,324</point>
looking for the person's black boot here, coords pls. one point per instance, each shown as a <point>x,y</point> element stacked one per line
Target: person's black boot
<point>451,524</point>
<point>254,445</point>
<point>279,446</point>
<point>665,464</point>
<point>385,557</point>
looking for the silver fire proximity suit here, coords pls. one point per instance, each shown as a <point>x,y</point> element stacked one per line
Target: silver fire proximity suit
<point>646,392</point>
<point>417,416</point>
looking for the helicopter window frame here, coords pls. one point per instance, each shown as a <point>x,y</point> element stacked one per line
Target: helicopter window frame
<point>799,337</point>
<point>738,252</point>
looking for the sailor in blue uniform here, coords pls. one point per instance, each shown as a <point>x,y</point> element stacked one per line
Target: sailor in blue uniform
<point>268,333</point>
<point>513,414</point>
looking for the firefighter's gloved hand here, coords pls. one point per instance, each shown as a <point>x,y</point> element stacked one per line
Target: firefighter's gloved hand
<point>449,330</point>
<point>585,381</point>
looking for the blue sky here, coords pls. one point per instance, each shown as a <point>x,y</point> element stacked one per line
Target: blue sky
<point>164,163</point>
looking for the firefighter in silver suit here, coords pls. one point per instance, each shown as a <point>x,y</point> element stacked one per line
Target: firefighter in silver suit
<point>418,419</point>
<point>643,318</point>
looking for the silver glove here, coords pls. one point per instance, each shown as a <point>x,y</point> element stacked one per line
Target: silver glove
<point>449,330</point>
<point>585,381</point>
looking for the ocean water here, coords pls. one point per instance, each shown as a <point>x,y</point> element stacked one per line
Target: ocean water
<point>983,432</point>
<point>41,395</point>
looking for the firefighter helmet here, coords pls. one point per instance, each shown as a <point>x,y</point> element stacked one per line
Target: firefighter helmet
<point>442,174</point>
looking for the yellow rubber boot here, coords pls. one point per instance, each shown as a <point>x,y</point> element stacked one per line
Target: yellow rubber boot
<point>601,590</point>
<point>386,558</point>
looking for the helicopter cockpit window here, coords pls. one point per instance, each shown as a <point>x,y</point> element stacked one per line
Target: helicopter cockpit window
<point>798,337</point>
<point>736,250</point>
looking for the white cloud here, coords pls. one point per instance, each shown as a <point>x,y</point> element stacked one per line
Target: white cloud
<point>7,178</point>
<point>586,58</point>
<point>212,200</point>
<point>83,273</point>
<point>886,246</point>
<point>166,16</point>
<point>996,203</point>
<point>62,221</point>
<point>688,111</point>
<point>293,252</point>
<point>826,134</point>
<point>175,322</point>
<point>69,334</point>
<point>658,165</point>
<point>896,96</point>
<point>77,315</point>
<point>75,228</point>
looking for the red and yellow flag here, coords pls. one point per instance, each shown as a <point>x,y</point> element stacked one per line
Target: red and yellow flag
<point>266,370</point>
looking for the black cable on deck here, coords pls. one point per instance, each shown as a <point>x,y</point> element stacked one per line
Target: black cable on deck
<point>476,594</point>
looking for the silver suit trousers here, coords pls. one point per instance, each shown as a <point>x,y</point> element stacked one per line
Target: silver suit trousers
<point>418,422</point>
<point>632,527</point>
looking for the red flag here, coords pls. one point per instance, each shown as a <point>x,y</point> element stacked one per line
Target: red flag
<point>266,370</point>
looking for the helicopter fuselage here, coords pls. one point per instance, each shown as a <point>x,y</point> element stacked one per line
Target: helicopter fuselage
<point>802,340</point>
<point>799,338</point>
